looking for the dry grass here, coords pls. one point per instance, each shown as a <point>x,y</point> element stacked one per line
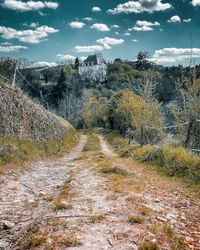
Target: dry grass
<point>18,152</point>
<point>97,218</point>
<point>132,219</point>
<point>167,159</point>
<point>148,246</point>
<point>92,144</point>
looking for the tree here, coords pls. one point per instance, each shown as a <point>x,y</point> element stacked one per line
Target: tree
<point>142,60</point>
<point>141,117</point>
<point>77,64</point>
<point>187,113</point>
<point>95,113</point>
<point>63,85</point>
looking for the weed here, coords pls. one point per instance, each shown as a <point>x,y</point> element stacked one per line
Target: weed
<point>132,219</point>
<point>168,230</point>
<point>70,241</point>
<point>148,246</point>
<point>60,205</point>
<point>115,170</point>
<point>49,198</point>
<point>97,218</point>
<point>34,242</point>
<point>145,210</point>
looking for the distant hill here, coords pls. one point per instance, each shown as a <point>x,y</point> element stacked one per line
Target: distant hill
<point>20,116</point>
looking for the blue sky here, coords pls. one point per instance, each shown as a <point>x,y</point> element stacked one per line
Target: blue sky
<point>51,31</point>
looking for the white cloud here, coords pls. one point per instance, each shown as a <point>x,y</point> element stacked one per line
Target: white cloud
<point>43,64</point>
<point>96,9</point>
<point>67,57</point>
<point>144,26</point>
<point>107,41</point>
<point>87,19</point>
<point>28,36</point>
<point>115,26</point>
<point>6,43</point>
<point>87,49</point>
<point>12,48</point>
<point>30,5</point>
<point>187,20</point>
<point>100,27</point>
<point>135,40</point>
<point>42,13</point>
<point>195,2</point>
<point>174,55</point>
<point>32,25</point>
<point>146,23</point>
<point>82,58</point>
<point>116,33</point>
<point>174,19</point>
<point>127,34</point>
<point>140,6</point>
<point>76,25</point>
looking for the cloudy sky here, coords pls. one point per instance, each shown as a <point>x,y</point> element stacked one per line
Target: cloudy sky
<point>50,31</point>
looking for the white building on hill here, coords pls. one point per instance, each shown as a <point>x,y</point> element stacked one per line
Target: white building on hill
<point>93,67</point>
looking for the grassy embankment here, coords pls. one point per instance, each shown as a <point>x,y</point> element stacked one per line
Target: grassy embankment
<point>28,131</point>
<point>168,159</point>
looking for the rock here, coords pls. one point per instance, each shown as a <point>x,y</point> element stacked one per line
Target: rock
<point>7,225</point>
<point>161,218</point>
<point>3,244</point>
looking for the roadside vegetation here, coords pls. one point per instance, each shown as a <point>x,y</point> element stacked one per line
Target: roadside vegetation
<point>170,159</point>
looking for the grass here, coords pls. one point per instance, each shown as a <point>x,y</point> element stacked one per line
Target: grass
<point>148,246</point>
<point>60,205</point>
<point>34,242</point>
<point>132,219</point>
<point>97,218</point>
<point>168,159</point>
<point>92,143</point>
<point>115,170</point>
<point>168,230</point>
<point>18,152</point>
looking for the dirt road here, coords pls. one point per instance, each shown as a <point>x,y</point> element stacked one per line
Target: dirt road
<point>95,200</point>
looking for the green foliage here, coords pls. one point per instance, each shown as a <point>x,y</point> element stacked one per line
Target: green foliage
<point>121,75</point>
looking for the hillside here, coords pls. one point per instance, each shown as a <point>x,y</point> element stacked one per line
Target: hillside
<point>20,116</point>
<point>29,132</point>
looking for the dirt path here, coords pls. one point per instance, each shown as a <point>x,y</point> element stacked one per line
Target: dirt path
<point>105,148</point>
<point>23,197</point>
<point>80,201</point>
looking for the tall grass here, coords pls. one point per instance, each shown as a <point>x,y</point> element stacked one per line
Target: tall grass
<point>16,151</point>
<point>171,160</point>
